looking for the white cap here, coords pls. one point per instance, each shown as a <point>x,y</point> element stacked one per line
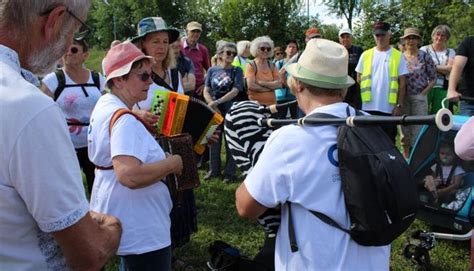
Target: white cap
<point>345,31</point>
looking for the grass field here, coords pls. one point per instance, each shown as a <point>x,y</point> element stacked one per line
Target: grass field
<point>218,220</point>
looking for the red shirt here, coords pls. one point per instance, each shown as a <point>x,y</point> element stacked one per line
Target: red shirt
<point>199,55</point>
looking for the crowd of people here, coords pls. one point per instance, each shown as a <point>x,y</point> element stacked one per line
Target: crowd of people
<point>46,219</point>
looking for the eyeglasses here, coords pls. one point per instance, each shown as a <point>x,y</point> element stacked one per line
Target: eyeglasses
<point>278,53</point>
<point>84,30</point>
<point>74,50</point>
<point>380,35</point>
<point>231,53</point>
<point>143,76</point>
<point>263,49</point>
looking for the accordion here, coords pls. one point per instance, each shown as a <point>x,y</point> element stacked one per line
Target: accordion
<point>181,145</point>
<point>179,113</point>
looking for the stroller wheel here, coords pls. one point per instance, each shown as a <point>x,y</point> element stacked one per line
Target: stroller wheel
<point>420,255</point>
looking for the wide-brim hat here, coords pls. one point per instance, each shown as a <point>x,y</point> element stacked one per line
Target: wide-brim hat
<point>323,64</point>
<point>120,58</point>
<point>155,24</point>
<point>411,31</point>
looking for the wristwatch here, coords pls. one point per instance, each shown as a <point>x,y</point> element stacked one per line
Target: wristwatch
<point>398,106</point>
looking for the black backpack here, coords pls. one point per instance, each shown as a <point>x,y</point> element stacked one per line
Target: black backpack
<point>62,83</point>
<point>380,192</point>
<point>224,257</point>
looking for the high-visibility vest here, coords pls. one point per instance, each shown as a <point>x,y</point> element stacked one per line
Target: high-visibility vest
<point>366,78</point>
<point>240,62</point>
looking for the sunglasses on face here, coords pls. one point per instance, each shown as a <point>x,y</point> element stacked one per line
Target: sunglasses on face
<point>74,50</point>
<point>278,53</point>
<point>143,76</point>
<point>263,49</point>
<point>231,53</point>
<point>411,38</point>
<point>380,35</point>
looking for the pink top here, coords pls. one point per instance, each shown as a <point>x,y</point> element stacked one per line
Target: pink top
<point>464,141</point>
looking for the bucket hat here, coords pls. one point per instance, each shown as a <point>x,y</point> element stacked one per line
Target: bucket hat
<point>120,58</point>
<point>154,24</point>
<point>323,64</point>
<point>411,31</point>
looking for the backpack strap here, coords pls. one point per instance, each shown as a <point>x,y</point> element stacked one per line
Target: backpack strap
<point>96,79</point>
<point>61,83</point>
<point>175,79</point>
<point>254,66</point>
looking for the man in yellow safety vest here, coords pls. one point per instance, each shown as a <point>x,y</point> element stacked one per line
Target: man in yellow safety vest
<point>381,74</point>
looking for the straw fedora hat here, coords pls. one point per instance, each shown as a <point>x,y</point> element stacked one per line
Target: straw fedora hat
<point>323,64</point>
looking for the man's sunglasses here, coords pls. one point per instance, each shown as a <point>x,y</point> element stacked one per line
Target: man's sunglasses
<point>74,50</point>
<point>231,53</point>
<point>143,76</point>
<point>263,49</point>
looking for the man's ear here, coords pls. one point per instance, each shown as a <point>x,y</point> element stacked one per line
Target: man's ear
<point>54,22</point>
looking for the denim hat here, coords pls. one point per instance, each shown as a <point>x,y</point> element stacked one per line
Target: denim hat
<point>155,24</point>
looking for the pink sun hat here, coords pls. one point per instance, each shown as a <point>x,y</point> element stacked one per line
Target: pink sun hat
<point>120,58</point>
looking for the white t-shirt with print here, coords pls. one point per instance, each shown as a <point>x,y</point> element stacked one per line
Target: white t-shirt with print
<point>76,106</point>
<point>299,165</point>
<point>439,58</point>
<point>146,104</point>
<point>41,188</point>
<point>380,80</point>
<point>144,212</point>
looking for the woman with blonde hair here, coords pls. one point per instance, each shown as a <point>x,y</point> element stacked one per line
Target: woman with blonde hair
<point>154,38</point>
<point>262,75</point>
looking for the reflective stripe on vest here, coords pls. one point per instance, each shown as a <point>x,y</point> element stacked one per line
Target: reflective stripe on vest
<point>366,77</point>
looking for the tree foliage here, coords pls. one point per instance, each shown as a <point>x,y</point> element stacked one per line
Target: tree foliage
<point>347,8</point>
<point>423,14</point>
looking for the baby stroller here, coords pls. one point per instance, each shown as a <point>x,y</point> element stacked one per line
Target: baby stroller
<point>456,213</point>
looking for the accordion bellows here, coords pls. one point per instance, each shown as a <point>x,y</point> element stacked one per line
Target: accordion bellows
<point>179,113</point>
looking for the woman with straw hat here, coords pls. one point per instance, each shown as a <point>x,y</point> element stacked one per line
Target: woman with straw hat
<point>130,164</point>
<point>420,81</point>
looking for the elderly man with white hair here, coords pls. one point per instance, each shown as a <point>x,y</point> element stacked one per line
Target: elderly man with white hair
<point>297,166</point>
<point>45,223</point>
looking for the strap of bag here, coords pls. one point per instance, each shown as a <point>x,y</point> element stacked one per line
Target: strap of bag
<point>175,78</point>
<point>324,218</point>
<point>61,77</point>
<point>122,111</point>
<point>159,81</point>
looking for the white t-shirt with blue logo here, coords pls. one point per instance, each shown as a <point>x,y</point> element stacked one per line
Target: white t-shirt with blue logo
<point>299,165</point>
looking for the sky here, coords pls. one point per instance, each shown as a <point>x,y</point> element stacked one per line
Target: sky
<point>317,7</point>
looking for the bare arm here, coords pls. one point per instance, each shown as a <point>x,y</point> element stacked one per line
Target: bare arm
<point>270,84</point>
<point>134,174</point>
<point>189,82</point>
<point>359,76</point>
<point>149,117</point>
<point>458,66</point>
<point>207,95</point>
<point>247,206</point>
<point>88,245</point>
<point>428,87</point>
<point>252,84</point>
<point>282,73</point>
<point>455,184</point>
<point>402,86</point>
<point>46,90</point>
<point>445,69</point>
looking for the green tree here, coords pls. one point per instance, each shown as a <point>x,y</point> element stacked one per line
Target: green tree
<point>347,8</point>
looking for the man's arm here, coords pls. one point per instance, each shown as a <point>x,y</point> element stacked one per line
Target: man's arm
<point>402,86</point>
<point>456,71</point>
<point>247,206</point>
<point>88,245</point>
